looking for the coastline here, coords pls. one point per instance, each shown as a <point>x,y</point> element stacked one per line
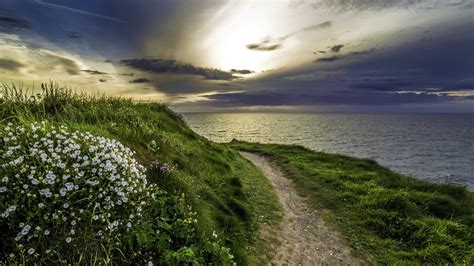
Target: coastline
<point>222,198</point>
<point>429,147</point>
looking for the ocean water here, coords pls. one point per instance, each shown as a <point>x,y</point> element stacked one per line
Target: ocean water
<point>438,147</point>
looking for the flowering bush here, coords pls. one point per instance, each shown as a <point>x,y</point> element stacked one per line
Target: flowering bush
<point>61,189</point>
<point>163,169</point>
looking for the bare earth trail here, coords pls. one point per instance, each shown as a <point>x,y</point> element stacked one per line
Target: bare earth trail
<point>304,238</point>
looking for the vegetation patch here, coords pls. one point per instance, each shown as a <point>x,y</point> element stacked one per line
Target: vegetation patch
<point>208,204</point>
<point>85,196</point>
<point>387,217</point>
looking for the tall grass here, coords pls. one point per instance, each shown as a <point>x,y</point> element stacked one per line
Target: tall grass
<point>230,197</point>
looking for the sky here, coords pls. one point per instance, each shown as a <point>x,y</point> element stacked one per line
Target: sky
<point>248,55</point>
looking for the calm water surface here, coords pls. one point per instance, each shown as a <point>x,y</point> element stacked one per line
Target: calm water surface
<point>429,146</point>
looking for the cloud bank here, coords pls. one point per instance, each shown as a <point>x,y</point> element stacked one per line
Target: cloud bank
<point>153,65</point>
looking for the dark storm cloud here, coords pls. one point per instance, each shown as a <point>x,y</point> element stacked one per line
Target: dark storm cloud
<point>271,44</point>
<point>241,71</point>
<point>157,66</point>
<point>189,85</point>
<point>266,45</point>
<point>464,84</point>
<point>337,48</point>
<point>10,65</point>
<point>74,35</point>
<point>332,98</point>
<point>94,72</point>
<point>405,81</point>
<point>381,76</point>
<point>9,21</point>
<point>334,49</point>
<point>121,29</point>
<point>384,84</point>
<point>140,80</point>
<point>346,56</point>
<point>328,59</point>
<point>111,29</point>
<point>420,65</point>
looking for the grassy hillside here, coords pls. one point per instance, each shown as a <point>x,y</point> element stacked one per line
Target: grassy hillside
<point>228,197</point>
<point>203,202</point>
<point>387,217</point>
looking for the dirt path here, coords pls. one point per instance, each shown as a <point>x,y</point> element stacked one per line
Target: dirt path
<point>304,238</point>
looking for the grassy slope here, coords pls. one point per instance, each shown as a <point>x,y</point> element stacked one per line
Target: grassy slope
<point>230,196</point>
<point>387,217</point>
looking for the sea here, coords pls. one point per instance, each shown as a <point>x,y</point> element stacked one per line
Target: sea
<point>436,147</point>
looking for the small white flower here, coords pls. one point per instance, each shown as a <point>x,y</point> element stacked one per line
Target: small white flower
<point>68,240</point>
<point>25,230</point>
<point>46,232</point>
<point>31,251</point>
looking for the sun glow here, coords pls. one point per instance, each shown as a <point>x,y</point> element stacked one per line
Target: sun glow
<point>237,25</point>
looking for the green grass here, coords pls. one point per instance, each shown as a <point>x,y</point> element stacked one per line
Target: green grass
<point>229,195</point>
<point>387,217</point>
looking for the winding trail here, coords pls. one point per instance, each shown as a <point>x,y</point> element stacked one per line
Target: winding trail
<point>304,238</point>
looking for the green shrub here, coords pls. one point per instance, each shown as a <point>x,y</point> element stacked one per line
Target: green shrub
<point>59,188</point>
<point>203,171</point>
<point>70,196</point>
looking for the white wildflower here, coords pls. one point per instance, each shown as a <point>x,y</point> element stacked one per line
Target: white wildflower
<point>31,251</point>
<point>25,230</point>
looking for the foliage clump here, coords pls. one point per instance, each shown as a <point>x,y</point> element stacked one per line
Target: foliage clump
<point>188,169</point>
<point>70,196</point>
